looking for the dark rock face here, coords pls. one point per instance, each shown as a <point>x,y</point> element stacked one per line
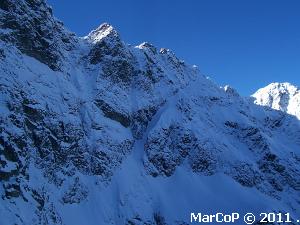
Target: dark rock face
<point>246,175</point>
<point>277,174</point>
<point>203,160</point>
<point>119,71</point>
<point>141,119</point>
<point>112,113</point>
<point>169,147</point>
<point>76,193</point>
<point>32,29</point>
<point>158,219</point>
<point>269,167</point>
<point>165,151</point>
<point>2,55</point>
<point>54,145</point>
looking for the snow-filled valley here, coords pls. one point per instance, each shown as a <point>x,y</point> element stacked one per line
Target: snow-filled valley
<point>95,131</point>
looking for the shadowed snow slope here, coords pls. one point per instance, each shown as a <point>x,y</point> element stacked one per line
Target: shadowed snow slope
<point>95,131</point>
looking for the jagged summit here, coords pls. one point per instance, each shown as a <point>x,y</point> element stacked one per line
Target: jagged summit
<point>164,51</point>
<point>104,30</point>
<point>280,96</point>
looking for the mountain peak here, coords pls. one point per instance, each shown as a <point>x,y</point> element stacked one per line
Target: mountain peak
<point>104,30</point>
<point>230,90</point>
<point>280,96</point>
<point>147,45</point>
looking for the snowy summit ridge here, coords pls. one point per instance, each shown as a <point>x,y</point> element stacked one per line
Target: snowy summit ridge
<point>95,131</point>
<point>104,30</point>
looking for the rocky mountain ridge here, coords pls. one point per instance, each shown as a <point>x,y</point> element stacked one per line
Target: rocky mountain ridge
<point>94,131</point>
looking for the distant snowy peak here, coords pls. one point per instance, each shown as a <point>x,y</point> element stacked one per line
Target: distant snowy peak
<point>280,96</point>
<point>105,30</point>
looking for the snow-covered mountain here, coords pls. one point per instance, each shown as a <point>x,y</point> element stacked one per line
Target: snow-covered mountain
<point>95,131</point>
<point>280,96</point>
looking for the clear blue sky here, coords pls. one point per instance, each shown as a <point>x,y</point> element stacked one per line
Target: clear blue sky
<point>244,43</point>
